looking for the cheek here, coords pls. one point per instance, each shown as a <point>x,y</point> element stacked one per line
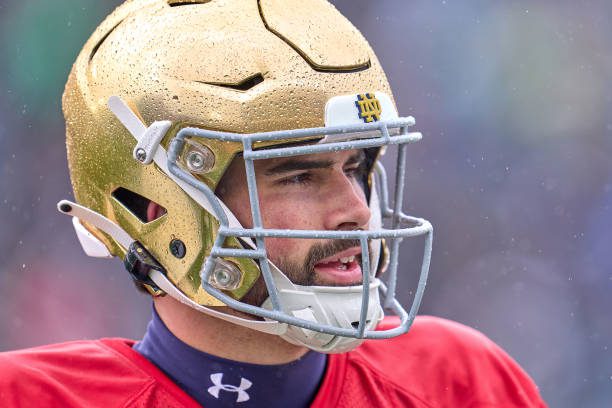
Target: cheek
<point>287,217</point>
<point>287,214</point>
<point>283,247</point>
<point>287,251</point>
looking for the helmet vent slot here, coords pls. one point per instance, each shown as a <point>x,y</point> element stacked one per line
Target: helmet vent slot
<point>177,3</point>
<point>94,50</point>
<point>243,85</point>
<point>138,205</point>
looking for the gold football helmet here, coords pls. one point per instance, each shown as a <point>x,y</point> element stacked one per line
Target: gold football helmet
<point>161,99</point>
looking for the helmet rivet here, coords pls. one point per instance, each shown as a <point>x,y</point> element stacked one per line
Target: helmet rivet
<point>177,248</point>
<point>195,160</point>
<point>225,276</point>
<point>199,159</point>
<point>66,208</point>
<point>141,155</point>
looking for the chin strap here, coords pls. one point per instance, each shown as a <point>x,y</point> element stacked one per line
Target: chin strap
<point>305,302</point>
<point>156,275</point>
<point>270,327</point>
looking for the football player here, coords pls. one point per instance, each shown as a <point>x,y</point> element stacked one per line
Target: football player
<point>228,151</point>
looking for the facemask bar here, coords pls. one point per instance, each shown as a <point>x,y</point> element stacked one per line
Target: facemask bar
<point>258,233</point>
<point>387,212</point>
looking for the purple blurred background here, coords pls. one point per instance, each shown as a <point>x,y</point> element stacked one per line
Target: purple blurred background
<point>515,172</point>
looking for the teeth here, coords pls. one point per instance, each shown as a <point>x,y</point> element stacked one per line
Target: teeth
<point>347,259</point>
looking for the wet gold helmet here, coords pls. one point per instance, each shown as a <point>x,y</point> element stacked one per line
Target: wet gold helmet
<point>172,69</point>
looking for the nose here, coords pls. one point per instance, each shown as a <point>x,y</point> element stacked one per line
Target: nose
<point>348,209</point>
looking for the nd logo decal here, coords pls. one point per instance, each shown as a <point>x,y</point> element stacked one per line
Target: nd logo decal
<point>368,107</point>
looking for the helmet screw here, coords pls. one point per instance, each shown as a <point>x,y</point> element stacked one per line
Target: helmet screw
<point>225,276</point>
<point>177,248</point>
<point>195,160</point>
<point>141,155</point>
<point>199,159</point>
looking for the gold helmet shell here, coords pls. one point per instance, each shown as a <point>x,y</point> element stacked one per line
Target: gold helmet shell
<point>241,66</point>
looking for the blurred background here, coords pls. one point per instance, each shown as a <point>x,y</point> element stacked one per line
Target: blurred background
<point>514,100</point>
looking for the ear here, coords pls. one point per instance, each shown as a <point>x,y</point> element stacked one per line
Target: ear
<point>154,211</point>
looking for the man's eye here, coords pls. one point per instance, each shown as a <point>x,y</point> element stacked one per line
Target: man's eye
<point>357,171</point>
<point>352,170</point>
<point>301,178</point>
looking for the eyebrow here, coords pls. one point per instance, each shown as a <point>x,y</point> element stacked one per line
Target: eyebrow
<point>305,164</point>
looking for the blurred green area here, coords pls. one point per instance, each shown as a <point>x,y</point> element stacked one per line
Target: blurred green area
<point>39,40</point>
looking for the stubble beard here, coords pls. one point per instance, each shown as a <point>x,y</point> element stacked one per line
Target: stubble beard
<point>302,274</point>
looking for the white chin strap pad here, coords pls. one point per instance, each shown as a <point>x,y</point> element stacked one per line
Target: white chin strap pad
<point>338,306</point>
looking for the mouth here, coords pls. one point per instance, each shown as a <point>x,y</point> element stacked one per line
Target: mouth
<point>341,269</point>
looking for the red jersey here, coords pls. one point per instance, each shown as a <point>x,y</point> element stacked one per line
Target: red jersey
<point>438,363</point>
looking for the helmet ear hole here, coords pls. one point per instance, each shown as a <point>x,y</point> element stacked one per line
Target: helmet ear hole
<point>141,207</point>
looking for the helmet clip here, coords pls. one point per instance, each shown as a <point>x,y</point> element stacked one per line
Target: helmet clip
<point>138,261</point>
<point>148,138</point>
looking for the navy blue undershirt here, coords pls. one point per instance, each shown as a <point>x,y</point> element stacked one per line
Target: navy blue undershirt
<point>218,382</point>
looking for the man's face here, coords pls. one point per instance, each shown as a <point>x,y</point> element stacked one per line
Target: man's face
<point>311,192</point>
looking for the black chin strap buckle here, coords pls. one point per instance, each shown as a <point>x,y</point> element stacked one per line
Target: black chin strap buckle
<point>138,261</point>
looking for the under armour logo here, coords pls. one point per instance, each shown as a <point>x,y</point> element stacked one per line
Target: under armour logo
<point>241,389</point>
<point>368,107</point>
